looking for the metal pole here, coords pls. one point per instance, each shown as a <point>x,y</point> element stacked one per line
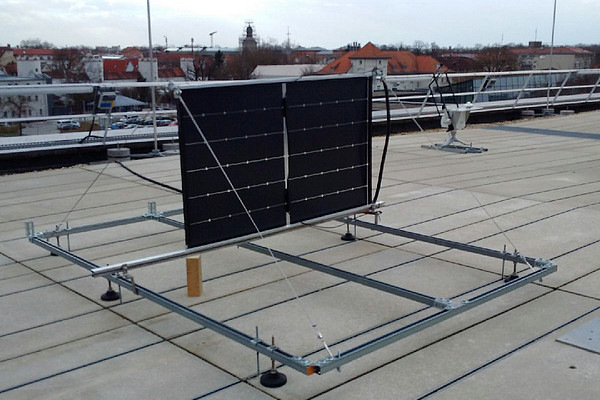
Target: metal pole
<point>551,53</point>
<point>152,92</point>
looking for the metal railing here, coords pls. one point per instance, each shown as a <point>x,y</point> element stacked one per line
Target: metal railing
<point>412,97</point>
<point>492,91</point>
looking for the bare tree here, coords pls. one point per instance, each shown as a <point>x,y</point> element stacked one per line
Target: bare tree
<point>496,59</point>
<point>36,44</point>
<point>199,70</point>
<point>242,65</point>
<point>69,63</point>
<point>19,105</point>
<point>419,47</point>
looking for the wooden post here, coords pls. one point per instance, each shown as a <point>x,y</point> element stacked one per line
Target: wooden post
<point>194,276</point>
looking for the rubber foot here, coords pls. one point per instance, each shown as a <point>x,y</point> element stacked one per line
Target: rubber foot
<point>110,295</point>
<point>273,379</point>
<point>511,278</point>
<point>348,237</point>
<point>54,254</point>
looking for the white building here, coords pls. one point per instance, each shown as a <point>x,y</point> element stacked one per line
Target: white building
<point>34,105</point>
<point>94,68</point>
<point>144,69</point>
<point>284,71</point>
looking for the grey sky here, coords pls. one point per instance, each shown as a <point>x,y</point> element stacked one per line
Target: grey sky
<point>325,23</point>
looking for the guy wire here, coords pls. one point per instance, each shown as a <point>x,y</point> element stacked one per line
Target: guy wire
<point>293,290</point>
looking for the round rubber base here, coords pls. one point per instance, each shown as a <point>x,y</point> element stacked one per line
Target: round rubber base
<point>110,295</point>
<point>348,237</point>
<point>273,379</point>
<point>511,278</point>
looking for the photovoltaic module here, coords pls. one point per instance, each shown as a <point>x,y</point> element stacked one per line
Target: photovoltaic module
<point>293,150</point>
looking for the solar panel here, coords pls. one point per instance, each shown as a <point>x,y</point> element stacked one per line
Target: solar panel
<point>293,151</point>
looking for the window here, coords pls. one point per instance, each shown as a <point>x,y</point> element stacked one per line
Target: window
<point>36,97</point>
<point>41,112</point>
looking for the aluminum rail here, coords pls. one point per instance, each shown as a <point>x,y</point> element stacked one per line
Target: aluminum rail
<point>110,269</point>
<point>349,276</point>
<point>516,258</point>
<point>151,215</point>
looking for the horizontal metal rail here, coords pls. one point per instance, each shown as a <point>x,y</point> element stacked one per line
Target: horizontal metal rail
<point>151,215</point>
<point>101,271</point>
<point>349,276</point>
<point>419,80</point>
<point>517,258</point>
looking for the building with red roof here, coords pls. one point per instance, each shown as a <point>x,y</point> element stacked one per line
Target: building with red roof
<point>387,62</point>
<point>121,69</point>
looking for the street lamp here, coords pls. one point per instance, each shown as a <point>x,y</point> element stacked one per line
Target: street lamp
<point>152,94</point>
<point>550,66</point>
<point>211,38</point>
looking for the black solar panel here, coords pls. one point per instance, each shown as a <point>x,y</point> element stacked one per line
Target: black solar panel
<point>329,146</point>
<point>293,151</point>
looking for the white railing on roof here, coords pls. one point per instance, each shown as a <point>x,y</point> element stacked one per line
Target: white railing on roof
<point>491,91</point>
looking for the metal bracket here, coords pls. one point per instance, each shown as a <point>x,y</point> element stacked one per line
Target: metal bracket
<point>125,275</point>
<point>444,304</point>
<point>29,230</point>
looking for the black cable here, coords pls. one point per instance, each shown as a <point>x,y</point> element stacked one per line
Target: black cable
<point>387,140</point>
<point>95,105</point>
<point>149,179</point>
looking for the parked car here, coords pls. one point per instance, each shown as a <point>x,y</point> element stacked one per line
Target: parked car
<point>132,119</point>
<point>163,122</point>
<point>66,124</point>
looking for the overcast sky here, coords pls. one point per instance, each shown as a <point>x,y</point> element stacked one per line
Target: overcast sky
<point>325,23</point>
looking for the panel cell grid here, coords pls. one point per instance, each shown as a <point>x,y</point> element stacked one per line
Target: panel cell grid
<point>292,150</point>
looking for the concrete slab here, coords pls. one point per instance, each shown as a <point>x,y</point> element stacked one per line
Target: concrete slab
<point>5,260</point>
<point>239,391</point>
<point>447,359</point>
<point>46,363</point>
<point>23,283</point>
<point>567,374</point>
<point>140,374</point>
<point>62,274</point>
<point>587,285</point>
<point>33,308</point>
<point>58,333</point>
<point>13,270</point>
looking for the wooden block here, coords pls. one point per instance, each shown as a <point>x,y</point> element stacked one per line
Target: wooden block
<point>194,276</point>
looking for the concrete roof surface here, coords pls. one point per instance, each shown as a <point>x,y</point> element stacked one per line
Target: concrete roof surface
<point>540,184</point>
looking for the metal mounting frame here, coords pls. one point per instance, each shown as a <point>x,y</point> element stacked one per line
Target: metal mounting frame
<point>119,275</point>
